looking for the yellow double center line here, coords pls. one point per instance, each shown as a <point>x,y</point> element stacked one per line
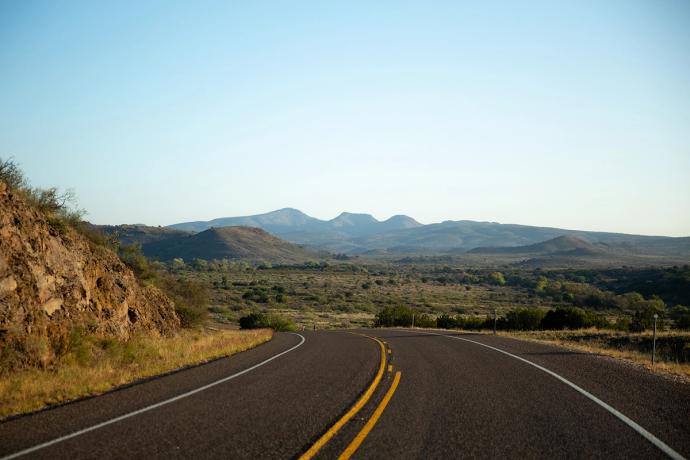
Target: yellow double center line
<point>359,439</point>
<point>323,440</point>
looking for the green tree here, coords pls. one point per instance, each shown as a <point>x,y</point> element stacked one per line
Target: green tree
<point>497,278</point>
<point>177,264</point>
<point>392,316</point>
<point>200,264</point>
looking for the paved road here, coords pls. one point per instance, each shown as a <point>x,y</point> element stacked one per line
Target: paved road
<point>455,399</point>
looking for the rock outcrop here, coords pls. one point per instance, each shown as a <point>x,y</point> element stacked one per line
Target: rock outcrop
<point>53,279</point>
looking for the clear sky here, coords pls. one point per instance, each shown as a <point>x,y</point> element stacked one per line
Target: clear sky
<point>570,114</point>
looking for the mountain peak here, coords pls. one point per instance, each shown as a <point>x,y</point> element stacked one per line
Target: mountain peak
<point>351,218</point>
<point>400,221</point>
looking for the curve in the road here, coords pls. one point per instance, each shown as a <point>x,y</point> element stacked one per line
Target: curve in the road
<point>362,435</point>
<point>665,448</point>
<point>333,430</point>
<point>152,406</point>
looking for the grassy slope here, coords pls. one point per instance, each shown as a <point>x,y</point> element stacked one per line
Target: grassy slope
<point>629,347</point>
<point>95,365</point>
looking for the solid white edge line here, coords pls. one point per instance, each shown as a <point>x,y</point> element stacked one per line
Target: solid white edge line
<point>151,407</point>
<point>665,448</point>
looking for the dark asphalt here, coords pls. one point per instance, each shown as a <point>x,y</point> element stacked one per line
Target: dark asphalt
<point>460,400</point>
<point>455,400</point>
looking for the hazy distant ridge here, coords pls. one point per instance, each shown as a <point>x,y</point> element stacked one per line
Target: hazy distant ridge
<point>290,220</point>
<point>363,234</point>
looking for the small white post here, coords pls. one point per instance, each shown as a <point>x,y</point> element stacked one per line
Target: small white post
<point>495,320</point>
<point>654,341</point>
<point>412,320</point>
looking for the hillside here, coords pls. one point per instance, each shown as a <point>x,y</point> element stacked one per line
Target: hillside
<point>52,279</point>
<point>238,243</point>
<point>566,244</point>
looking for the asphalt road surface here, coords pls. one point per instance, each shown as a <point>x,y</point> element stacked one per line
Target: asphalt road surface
<point>409,395</point>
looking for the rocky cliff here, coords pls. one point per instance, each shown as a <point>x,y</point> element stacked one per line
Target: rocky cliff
<point>52,279</point>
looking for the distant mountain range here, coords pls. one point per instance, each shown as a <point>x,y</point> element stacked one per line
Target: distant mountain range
<point>362,234</point>
<point>293,222</point>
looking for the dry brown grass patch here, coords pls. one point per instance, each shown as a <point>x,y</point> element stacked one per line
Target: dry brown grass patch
<point>99,364</point>
<point>597,341</point>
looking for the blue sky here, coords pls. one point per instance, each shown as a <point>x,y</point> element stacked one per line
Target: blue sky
<point>569,114</point>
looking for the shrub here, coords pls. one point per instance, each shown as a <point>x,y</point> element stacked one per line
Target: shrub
<point>281,324</point>
<point>12,175</point>
<point>424,320</point>
<point>446,321</point>
<point>261,320</point>
<point>681,317</point>
<point>573,318</point>
<point>253,321</point>
<point>392,316</point>
<point>281,298</point>
<point>134,258</point>
<point>497,278</point>
<point>522,319</point>
<point>190,298</point>
<point>644,319</point>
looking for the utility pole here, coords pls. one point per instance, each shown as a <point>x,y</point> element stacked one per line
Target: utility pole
<point>654,341</point>
<point>495,320</point>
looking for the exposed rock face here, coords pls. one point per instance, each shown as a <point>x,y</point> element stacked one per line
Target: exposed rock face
<point>51,281</point>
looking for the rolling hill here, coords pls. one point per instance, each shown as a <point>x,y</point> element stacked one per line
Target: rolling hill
<point>235,243</point>
<point>567,244</point>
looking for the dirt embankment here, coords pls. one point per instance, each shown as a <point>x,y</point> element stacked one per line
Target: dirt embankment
<point>52,279</point>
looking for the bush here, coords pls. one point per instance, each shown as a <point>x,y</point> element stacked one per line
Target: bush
<point>256,294</point>
<point>58,207</point>
<point>522,319</point>
<point>681,317</point>
<point>497,278</point>
<point>446,321</point>
<point>134,258</point>
<point>573,318</point>
<point>644,319</point>
<point>424,320</point>
<point>261,320</point>
<point>390,316</point>
<point>254,321</point>
<point>12,175</point>
<point>190,298</point>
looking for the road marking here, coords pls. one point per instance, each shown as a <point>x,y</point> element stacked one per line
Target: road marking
<point>361,436</point>
<point>390,368</point>
<point>152,406</point>
<point>318,445</point>
<point>389,351</point>
<point>665,448</point>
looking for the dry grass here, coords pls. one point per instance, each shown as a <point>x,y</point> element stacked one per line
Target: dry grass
<point>599,342</point>
<point>95,365</point>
